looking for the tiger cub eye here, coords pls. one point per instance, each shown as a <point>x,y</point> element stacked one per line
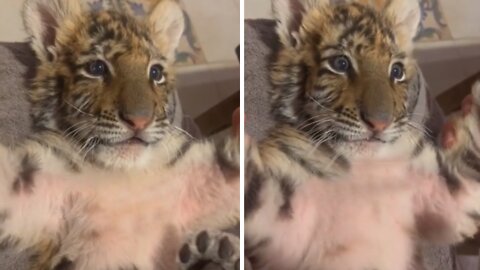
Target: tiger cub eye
<point>156,74</point>
<point>97,68</point>
<point>397,72</point>
<point>340,64</point>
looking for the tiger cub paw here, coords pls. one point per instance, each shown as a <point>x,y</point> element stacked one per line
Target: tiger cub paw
<point>467,227</point>
<point>210,250</point>
<point>460,137</point>
<point>460,142</point>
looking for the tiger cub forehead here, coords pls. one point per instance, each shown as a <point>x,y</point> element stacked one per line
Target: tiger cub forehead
<point>108,34</point>
<point>353,28</point>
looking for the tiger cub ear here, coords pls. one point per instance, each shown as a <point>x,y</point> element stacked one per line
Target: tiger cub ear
<point>169,24</point>
<point>42,19</point>
<point>289,16</point>
<point>404,16</point>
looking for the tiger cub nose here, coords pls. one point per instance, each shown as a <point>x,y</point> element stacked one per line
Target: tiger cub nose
<point>136,122</point>
<point>376,124</point>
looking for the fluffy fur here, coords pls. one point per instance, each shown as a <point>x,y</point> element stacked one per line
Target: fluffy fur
<point>86,108</point>
<point>349,179</point>
<point>107,181</point>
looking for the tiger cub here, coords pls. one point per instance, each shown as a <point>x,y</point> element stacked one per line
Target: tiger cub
<point>107,181</point>
<point>348,179</point>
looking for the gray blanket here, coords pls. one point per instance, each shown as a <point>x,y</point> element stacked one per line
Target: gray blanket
<point>16,67</point>
<point>260,45</point>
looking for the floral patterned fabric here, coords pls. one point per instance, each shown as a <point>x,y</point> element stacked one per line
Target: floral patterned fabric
<point>433,26</point>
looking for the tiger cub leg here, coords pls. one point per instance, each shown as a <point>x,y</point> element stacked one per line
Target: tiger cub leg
<point>213,248</point>
<point>460,143</point>
<point>18,182</point>
<point>39,220</point>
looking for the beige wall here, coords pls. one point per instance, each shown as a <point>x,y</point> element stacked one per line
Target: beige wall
<point>11,25</point>
<point>255,9</point>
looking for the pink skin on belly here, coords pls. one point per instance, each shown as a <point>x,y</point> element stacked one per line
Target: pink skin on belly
<point>126,219</point>
<point>333,219</point>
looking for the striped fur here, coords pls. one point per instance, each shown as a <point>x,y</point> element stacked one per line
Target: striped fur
<point>326,191</point>
<point>87,109</point>
<point>98,219</point>
<point>78,194</point>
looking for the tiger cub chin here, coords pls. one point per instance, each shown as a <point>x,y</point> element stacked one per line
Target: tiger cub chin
<point>107,181</point>
<point>349,179</point>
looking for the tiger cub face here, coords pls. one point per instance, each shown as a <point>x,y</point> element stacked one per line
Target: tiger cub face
<point>105,79</point>
<point>344,72</point>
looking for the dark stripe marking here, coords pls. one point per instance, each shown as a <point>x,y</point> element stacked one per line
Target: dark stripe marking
<point>301,161</point>
<point>452,181</point>
<point>65,264</point>
<point>8,242</point>
<point>252,250</point>
<point>340,159</point>
<point>255,182</point>
<point>472,161</point>
<point>414,98</point>
<point>287,189</point>
<point>474,215</point>
<point>418,148</point>
<point>227,166</point>
<point>473,141</point>
<point>24,181</point>
<point>181,152</point>
<point>72,165</point>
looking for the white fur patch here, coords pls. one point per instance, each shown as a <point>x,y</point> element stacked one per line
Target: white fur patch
<point>112,218</point>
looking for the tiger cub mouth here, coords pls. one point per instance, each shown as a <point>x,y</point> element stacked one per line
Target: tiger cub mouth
<point>133,140</point>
